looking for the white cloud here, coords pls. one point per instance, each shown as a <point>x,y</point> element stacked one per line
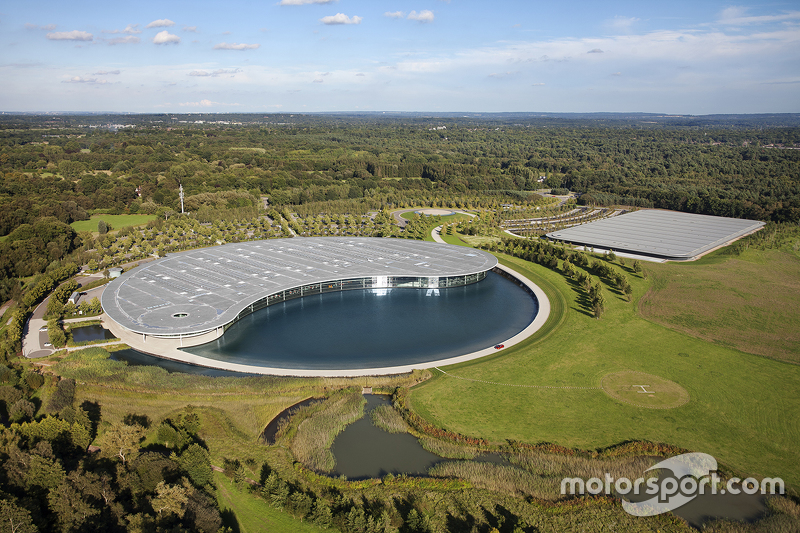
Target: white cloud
<point>201,103</point>
<point>48,27</point>
<point>205,103</point>
<point>340,18</point>
<point>737,16</point>
<point>165,37</point>
<point>619,23</point>
<point>79,79</point>
<point>192,29</point>
<point>128,39</point>
<point>74,35</point>
<point>426,15</point>
<point>106,73</point>
<point>394,14</point>
<point>235,46</point>
<point>130,29</point>
<point>595,51</point>
<point>637,55</point>
<point>304,2</point>
<point>160,23</point>
<point>215,73</point>
<point>503,74</point>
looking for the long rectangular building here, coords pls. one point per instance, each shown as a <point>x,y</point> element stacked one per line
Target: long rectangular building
<point>670,235</point>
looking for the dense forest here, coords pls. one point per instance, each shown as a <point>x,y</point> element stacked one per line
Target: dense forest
<point>70,170</point>
<point>60,169</point>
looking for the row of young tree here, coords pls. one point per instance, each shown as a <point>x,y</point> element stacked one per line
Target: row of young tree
<point>577,266</point>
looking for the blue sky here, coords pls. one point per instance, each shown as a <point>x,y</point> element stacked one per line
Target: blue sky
<point>680,57</point>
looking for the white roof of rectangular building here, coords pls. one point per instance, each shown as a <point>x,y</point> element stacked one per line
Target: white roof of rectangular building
<point>665,234</point>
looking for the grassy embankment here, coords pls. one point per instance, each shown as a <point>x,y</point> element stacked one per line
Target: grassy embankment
<point>116,221</point>
<point>741,410</point>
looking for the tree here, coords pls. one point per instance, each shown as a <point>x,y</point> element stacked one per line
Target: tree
<point>56,334</point>
<point>72,500</point>
<point>197,464</point>
<point>123,441</point>
<point>15,519</point>
<point>637,266</point>
<point>628,290</point>
<point>102,227</point>
<point>170,499</point>
<point>598,305</point>
<point>21,411</point>
<point>322,515</point>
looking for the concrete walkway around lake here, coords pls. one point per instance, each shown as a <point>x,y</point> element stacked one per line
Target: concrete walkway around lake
<point>170,348</point>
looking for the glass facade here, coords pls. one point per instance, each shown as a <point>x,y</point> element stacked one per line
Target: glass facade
<point>421,282</point>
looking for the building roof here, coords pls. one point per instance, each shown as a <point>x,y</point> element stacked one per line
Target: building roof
<point>210,286</point>
<point>665,234</point>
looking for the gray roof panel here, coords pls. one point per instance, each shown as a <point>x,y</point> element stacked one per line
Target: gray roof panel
<point>667,234</point>
<point>210,286</point>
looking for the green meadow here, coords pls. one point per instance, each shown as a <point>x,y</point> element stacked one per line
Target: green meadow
<point>116,222</point>
<point>741,406</point>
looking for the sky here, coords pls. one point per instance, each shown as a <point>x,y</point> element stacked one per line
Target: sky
<point>266,56</point>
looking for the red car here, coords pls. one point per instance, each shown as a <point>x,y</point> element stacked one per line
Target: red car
<point>499,346</point>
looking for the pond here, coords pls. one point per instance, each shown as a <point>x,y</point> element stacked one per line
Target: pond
<point>364,451</point>
<point>91,333</point>
<point>376,328</point>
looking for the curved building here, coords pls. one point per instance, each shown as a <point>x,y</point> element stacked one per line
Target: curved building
<point>201,292</point>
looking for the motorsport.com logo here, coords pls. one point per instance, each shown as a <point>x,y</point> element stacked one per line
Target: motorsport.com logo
<point>693,474</point>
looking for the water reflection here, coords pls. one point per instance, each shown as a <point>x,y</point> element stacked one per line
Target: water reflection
<point>376,328</point>
<point>137,358</point>
<point>364,451</point>
<point>91,333</point>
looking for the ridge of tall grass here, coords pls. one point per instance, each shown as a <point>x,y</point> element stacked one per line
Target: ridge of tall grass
<point>312,441</point>
<point>500,478</point>
<point>388,419</point>
<point>447,449</point>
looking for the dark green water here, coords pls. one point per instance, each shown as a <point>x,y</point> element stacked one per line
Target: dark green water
<point>91,333</point>
<point>377,327</point>
<point>364,451</point>
<point>137,358</point>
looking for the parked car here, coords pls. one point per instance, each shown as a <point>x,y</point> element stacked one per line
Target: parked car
<point>499,346</point>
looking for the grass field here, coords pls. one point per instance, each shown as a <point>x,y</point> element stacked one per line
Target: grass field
<point>116,221</point>
<point>742,408</point>
<point>749,302</point>
<point>244,513</point>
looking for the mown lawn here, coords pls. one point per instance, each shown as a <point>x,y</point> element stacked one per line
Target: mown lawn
<point>742,408</point>
<point>117,222</point>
